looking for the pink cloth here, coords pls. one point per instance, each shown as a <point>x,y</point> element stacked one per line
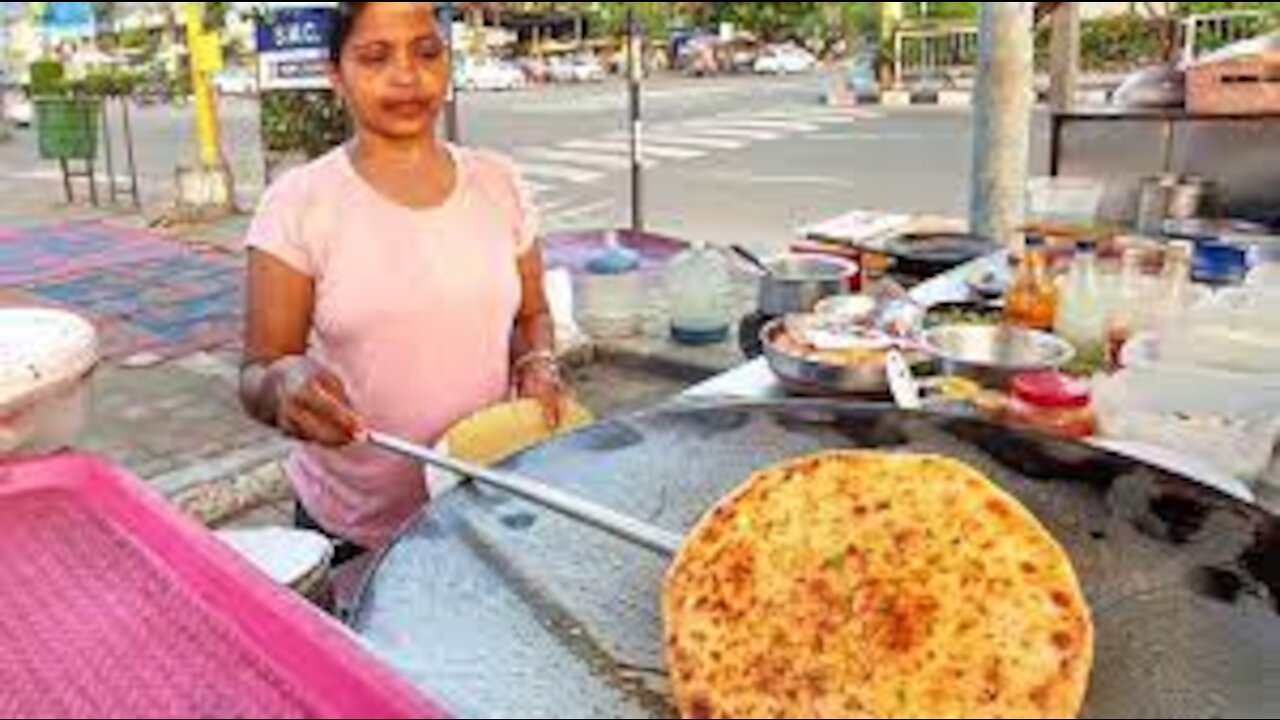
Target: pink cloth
<point>414,311</point>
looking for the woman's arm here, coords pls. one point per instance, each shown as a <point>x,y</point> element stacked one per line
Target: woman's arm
<point>279,386</point>
<point>535,371</point>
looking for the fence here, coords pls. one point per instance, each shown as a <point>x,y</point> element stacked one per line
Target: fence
<point>953,51</point>
<point>1202,34</point>
<point>928,53</point>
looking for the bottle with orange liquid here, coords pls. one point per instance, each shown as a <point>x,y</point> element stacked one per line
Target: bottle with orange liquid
<point>1032,301</point>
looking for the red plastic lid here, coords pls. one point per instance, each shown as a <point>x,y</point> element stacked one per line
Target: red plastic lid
<point>1052,390</point>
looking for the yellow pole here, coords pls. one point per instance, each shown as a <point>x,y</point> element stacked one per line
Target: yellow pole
<point>206,109</point>
<point>891,14</point>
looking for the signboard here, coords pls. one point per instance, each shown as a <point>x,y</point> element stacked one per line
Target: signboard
<point>64,20</point>
<point>293,47</point>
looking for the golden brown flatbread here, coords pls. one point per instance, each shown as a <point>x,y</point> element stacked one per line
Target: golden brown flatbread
<point>868,585</point>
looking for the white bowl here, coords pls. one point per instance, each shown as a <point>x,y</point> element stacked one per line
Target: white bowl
<point>47,359</point>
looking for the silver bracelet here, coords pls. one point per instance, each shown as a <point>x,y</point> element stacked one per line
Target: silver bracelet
<point>535,357</point>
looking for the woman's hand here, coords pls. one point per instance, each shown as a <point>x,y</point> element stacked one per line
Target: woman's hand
<point>540,380</point>
<point>312,404</point>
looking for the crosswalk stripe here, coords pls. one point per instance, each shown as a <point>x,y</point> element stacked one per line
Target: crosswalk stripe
<point>819,113</point>
<point>695,141</point>
<point>780,125</point>
<point>559,172</point>
<point>650,150</point>
<point>728,132</point>
<point>592,159</point>
<point>830,119</point>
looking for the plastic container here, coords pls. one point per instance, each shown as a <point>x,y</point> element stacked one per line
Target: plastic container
<point>699,288</point>
<point>611,294</point>
<point>1234,331</point>
<point>1221,264</point>
<point>46,359</point>
<point>1053,403</point>
<point>1071,201</point>
<point>1230,422</point>
<point>118,606</point>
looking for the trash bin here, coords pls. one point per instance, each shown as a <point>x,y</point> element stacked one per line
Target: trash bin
<point>68,128</point>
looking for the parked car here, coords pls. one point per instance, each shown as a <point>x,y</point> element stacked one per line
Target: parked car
<point>785,60</point>
<point>863,82</point>
<point>576,69</point>
<point>18,109</point>
<point>493,75</point>
<point>236,82</point>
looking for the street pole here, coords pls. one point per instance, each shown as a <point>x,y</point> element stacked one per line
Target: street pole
<point>634,70</point>
<point>1064,56</point>
<point>207,135</point>
<point>452,129</point>
<point>1002,121</point>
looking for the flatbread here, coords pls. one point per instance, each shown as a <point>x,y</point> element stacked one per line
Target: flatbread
<point>869,585</point>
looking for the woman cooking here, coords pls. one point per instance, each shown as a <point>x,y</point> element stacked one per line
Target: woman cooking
<point>395,283</point>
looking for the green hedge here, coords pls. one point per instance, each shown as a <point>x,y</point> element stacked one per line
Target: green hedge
<point>310,122</point>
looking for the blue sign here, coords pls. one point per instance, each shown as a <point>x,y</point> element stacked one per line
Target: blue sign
<point>288,29</point>
<point>68,17</point>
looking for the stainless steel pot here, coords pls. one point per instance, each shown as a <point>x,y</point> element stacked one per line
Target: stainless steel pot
<point>797,283</point>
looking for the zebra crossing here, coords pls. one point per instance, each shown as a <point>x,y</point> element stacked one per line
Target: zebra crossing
<point>587,161</point>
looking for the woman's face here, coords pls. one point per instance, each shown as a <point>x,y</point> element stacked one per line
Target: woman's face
<point>394,72</point>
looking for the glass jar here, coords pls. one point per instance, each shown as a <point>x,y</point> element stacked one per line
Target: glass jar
<point>1053,403</point>
<point>1032,302</point>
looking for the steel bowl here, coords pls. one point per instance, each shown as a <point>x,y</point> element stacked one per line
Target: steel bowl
<point>797,283</point>
<point>811,378</point>
<point>995,355</point>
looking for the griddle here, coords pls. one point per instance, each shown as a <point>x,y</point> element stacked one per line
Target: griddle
<point>501,609</point>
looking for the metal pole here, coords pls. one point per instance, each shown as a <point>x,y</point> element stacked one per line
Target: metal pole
<point>207,134</point>
<point>128,152</point>
<point>1002,121</point>
<point>109,151</point>
<point>634,70</point>
<point>452,128</point>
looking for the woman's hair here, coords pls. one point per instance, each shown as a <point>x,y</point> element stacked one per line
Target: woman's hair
<point>344,23</point>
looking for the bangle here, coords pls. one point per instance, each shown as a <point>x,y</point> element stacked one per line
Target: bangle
<point>534,358</point>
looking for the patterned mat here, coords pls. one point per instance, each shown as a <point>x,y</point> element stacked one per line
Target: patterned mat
<point>146,293</point>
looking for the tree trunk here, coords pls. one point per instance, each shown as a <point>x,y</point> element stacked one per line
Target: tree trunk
<point>1065,58</point>
<point>1002,121</point>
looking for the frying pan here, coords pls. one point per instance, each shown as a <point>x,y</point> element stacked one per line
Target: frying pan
<point>502,609</point>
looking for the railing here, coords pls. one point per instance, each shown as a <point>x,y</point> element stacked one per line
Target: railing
<point>1202,34</point>
<point>927,53</point>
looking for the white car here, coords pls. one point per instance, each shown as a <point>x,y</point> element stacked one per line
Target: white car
<point>236,82</point>
<point>493,75</point>
<point>581,69</point>
<point>19,110</point>
<point>785,60</point>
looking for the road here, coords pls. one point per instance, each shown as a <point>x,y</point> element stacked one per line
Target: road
<point>732,159</point>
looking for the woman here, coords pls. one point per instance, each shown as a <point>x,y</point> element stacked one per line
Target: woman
<point>394,284</point>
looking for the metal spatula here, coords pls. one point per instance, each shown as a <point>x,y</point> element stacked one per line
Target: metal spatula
<point>571,506</point>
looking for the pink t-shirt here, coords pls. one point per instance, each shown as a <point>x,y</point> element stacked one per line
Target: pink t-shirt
<point>414,310</point>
